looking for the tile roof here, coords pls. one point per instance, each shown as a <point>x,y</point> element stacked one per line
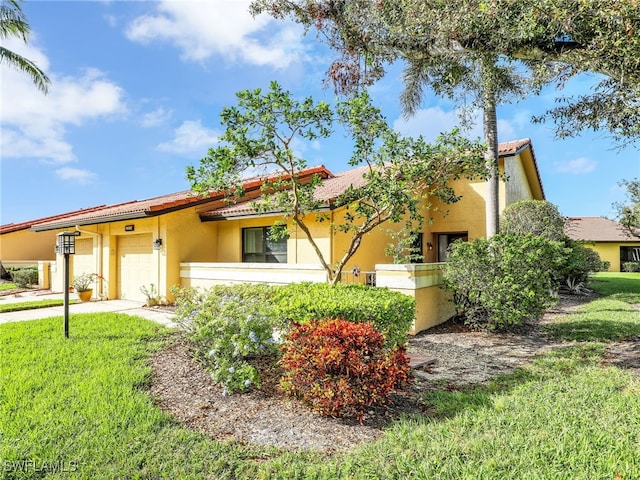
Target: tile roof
<point>15,227</point>
<point>150,207</point>
<point>597,229</point>
<point>330,188</point>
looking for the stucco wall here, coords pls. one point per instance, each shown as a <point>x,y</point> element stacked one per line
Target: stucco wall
<point>27,245</point>
<point>516,187</point>
<point>610,252</point>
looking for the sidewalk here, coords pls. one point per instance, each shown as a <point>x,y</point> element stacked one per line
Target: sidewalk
<point>129,307</point>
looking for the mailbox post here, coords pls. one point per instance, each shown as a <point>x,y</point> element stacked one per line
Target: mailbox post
<point>66,246</point>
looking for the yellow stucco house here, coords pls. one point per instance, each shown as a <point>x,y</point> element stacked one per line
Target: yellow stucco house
<point>611,240</point>
<point>185,239</point>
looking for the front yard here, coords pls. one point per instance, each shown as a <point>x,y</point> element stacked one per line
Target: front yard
<point>81,408</point>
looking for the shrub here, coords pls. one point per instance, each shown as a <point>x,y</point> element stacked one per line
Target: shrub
<point>579,262</point>
<point>497,283</point>
<point>629,266</point>
<point>228,326</point>
<point>392,313</point>
<point>341,368</point>
<point>537,217</point>
<point>24,277</point>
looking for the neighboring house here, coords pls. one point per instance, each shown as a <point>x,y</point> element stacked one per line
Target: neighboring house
<point>192,240</point>
<point>611,240</point>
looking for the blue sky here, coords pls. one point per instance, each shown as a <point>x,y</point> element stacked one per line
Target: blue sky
<point>137,89</point>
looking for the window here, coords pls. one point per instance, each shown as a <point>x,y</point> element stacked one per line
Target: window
<point>629,254</point>
<point>258,246</point>
<point>446,239</point>
<point>417,255</point>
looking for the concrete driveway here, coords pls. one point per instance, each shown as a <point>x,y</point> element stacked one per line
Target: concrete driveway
<point>129,307</point>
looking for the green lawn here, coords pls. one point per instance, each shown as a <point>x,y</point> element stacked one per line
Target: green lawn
<point>7,286</point>
<point>82,403</point>
<point>14,307</point>
<point>620,286</point>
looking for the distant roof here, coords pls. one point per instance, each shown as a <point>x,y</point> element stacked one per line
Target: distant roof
<point>597,229</point>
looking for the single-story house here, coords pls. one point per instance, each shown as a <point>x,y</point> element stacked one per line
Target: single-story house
<point>191,240</point>
<point>610,239</point>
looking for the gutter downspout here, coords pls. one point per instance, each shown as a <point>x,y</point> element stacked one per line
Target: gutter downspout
<point>99,272</point>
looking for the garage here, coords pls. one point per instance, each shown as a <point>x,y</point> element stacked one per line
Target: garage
<point>135,265</point>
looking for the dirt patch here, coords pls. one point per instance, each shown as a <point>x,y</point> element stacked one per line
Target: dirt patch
<point>448,356</point>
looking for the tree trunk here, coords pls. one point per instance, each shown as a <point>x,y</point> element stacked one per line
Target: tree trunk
<point>490,125</point>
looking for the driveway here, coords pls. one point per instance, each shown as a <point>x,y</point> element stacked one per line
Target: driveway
<point>129,307</point>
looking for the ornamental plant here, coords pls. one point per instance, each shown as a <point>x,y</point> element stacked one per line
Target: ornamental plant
<point>341,368</point>
<point>228,326</point>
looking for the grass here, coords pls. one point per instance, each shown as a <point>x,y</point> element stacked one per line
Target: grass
<point>14,307</point>
<point>7,286</point>
<point>619,286</point>
<point>609,318</point>
<point>82,403</point>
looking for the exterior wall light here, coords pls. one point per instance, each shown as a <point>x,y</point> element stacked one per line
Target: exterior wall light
<point>157,244</point>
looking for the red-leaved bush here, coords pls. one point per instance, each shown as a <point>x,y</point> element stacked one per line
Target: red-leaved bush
<point>340,367</point>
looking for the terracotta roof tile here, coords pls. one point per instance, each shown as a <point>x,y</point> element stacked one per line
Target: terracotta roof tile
<point>14,227</point>
<point>597,229</point>
<point>330,188</point>
<point>513,147</point>
<point>152,206</point>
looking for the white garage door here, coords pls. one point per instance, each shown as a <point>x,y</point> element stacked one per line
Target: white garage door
<point>83,260</point>
<point>135,265</point>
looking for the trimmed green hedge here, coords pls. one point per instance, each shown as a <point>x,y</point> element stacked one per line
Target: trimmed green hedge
<point>392,313</point>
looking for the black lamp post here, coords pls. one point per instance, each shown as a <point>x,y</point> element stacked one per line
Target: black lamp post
<point>66,246</point>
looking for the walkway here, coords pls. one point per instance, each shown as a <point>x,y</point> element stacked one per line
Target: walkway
<point>129,307</point>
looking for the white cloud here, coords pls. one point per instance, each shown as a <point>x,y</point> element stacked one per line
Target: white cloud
<point>34,124</point>
<point>220,27</point>
<point>191,137</point>
<point>577,166</point>
<point>75,174</point>
<point>155,118</point>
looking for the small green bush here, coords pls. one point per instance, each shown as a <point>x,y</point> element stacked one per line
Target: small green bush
<point>341,368</point>
<point>497,283</point>
<point>229,325</point>
<point>24,277</point>
<point>537,217</point>
<point>392,313</point>
<point>630,266</point>
<point>579,262</point>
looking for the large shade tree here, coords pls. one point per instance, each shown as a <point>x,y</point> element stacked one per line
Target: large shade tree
<point>455,47</point>
<point>13,23</point>
<point>482,49</point>
<point>400,175</point>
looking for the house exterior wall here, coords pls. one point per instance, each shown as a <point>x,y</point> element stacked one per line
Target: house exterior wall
<point>184,238</point>
<point>610,252</point>
<point>516,187</point>
<point>27,245</point>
